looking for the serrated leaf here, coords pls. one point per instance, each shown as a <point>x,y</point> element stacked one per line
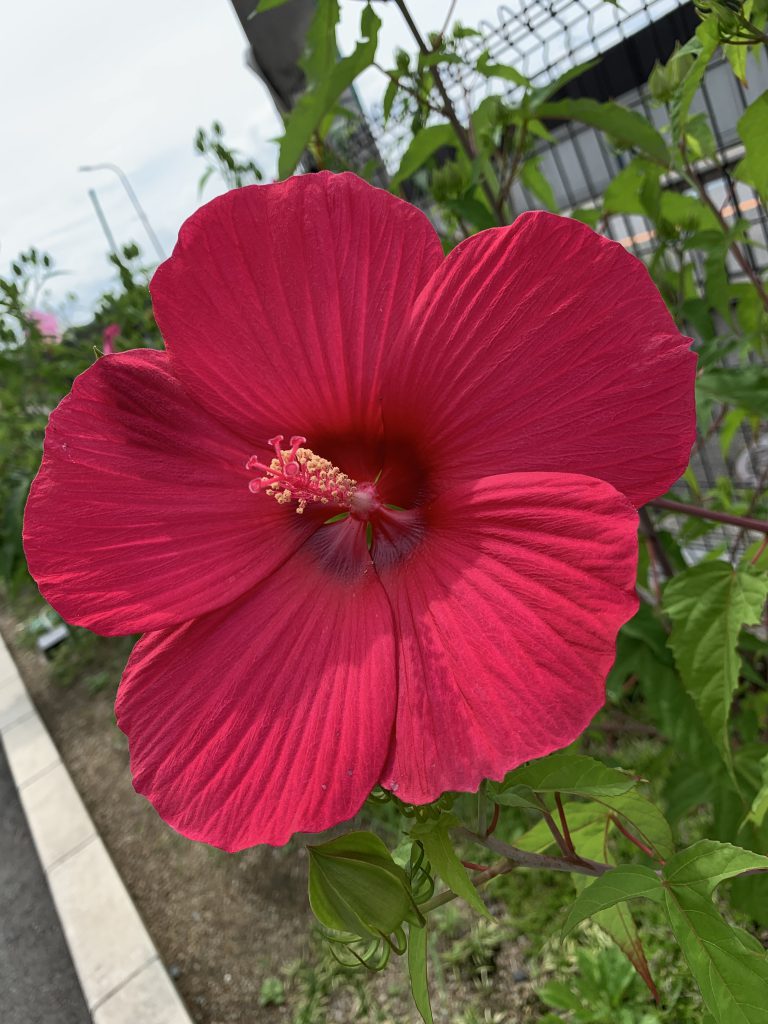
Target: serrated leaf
<point>627,882</point>
<point>708,604</point>
<point>753,129</point>
<point>439,851</point>
<point>423,145</point>
<point>417,971</point>
<point>708,863</point>
<point>730,971</point>
<point>571,773</point>
<point>626,126</point>
<point>327,78</point>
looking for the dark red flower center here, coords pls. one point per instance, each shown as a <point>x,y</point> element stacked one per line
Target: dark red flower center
<point>297,477</point>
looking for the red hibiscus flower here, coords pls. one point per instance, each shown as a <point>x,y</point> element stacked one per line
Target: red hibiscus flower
<point>418,579</point>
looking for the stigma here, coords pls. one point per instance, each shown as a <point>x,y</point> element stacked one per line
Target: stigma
<point>297,476</point>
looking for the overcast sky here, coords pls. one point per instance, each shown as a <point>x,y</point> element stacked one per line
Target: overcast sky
<point>87,81</point>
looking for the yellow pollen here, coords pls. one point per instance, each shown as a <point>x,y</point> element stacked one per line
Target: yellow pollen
<point>298,475</point>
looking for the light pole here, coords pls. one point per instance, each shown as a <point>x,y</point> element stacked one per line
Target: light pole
<point>134,200</point>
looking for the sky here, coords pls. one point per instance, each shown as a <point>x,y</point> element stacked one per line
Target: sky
<point>87,81</point>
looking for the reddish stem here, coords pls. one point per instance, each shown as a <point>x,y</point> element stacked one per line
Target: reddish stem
<point>564,824</point>
<point>633,839</point>
<point>494,820</point>
<point>471,866</point>
<point>745,522</point>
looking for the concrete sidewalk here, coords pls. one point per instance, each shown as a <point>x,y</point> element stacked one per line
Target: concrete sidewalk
<point>38,984</point>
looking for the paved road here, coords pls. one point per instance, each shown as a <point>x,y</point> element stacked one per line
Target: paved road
<point>38,984</point>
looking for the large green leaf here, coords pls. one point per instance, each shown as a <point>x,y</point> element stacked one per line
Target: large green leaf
<point>423,145</point>
<point>327,78</point>
<point>445,861</point>
<point>417,970</point>
<point>571,773</point>
<point>729,966</point>
<point>753,129</point>
<point>627,882</point>
<point>707,863</point>
<point>626,126</point>
<point>708,604</point>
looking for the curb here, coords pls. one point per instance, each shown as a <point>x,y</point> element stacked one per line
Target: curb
<point>120,971</point>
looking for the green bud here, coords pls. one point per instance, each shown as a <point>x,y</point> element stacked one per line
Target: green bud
<point>355,886</point>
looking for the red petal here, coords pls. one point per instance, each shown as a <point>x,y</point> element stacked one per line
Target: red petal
<point>269,717</point>
<point>544,346</point>
<point>280,300</point>
<point>507,618</point>
<point>140,516</point>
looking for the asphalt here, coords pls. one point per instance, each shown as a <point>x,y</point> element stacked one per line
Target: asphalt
<point>38,984</point>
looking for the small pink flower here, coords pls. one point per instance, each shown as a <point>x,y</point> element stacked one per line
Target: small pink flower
<point>108,336</point>
<point>421,587</point>
<point>47,324</point>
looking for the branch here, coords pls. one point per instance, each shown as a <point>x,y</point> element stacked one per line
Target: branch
<point>745,522</point>
<point>448,108</point>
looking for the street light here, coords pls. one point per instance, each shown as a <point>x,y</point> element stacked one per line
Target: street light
<point>133,198</point>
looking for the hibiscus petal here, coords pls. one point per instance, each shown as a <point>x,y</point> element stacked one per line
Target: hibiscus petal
<point>269,717</point>
<point>303,284</point>
<point>544,346</point>
<point>140,516</point>
<point>506,617</point>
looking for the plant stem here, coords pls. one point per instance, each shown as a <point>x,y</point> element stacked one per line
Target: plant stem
<point>655,547</point>
<point>556,834</point>
<point>494,820</point>
<point>634,840</point>
<point>449,110</point>
<point>738,253</point>
<point>745,522</point>
<point>524,859</point>
<point>501,867</point>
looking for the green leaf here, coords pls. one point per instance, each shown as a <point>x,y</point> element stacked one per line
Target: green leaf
<point>423,145</point>
<point>266,5</point>
<point>687,212</point>
<point>504,71</point>
<point>745,387</point>
<point>629,191</point>
<point>707,863</point>
<point>627,882</point>
<point>644,819</point>
<point>417,971</point>
<point>759,808</point>
<point>626,126</point>
<point>445,861</point>
<point>708,604</point>
<point>703,45</point>
<point>571,773</point>
<point>327,78</point>
<point>730,971</point>
<point>535,182</point>
<point>355,886</point>
<point>753,129</point>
